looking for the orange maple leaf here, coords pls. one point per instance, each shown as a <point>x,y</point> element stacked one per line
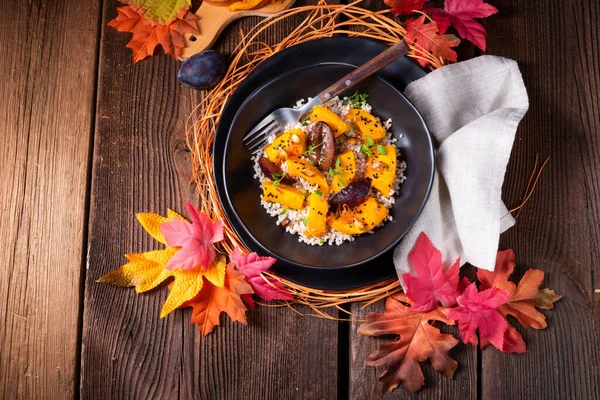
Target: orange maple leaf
<point>418,341</point>
<point>524,297</point>
<point>428,40</point>
<point>211,301</point>
<point>148,34</point>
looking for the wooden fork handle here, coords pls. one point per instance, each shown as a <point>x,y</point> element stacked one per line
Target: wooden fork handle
<point>366,70</point>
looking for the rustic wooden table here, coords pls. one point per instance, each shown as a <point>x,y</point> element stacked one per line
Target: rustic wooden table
<point>90,139</point>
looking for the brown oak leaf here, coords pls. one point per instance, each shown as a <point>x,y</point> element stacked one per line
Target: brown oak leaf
<point>417,341</point>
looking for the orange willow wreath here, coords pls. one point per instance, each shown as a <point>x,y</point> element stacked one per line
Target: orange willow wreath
<point>320,21</point>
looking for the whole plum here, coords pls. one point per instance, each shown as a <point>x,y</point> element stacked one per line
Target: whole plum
<point>203,70</point>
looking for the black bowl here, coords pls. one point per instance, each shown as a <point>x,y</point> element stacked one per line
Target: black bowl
<point>332,58</point>
<point>244,193</point>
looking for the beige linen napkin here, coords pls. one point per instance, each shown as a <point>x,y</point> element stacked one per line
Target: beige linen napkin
<point>472,110</point>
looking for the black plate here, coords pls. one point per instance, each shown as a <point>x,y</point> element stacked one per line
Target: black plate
<point>309,68</point>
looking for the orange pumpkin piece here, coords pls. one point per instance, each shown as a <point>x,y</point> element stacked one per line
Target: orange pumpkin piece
<point>324,114</point>
<point>381,168</point>
<point>288,144</point>
<point>283,194</point>
<point>300,168</point>
<point>317,216</point>
<point>367,124</point>
<point>347,165</point>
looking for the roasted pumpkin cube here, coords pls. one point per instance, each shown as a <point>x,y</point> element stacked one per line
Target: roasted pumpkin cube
<point>361,219</point>
<point>283,194</point>
<point>367,124</point>
<point>300,168</point>
<point>324,114</point>
<point>348,224</point>
<point>381,168</point>
<point>371,213</point>
<point>347,164</point>
<point>288,144</point>
<point>317,216</point>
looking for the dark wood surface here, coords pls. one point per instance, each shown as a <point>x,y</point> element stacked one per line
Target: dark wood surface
<point>90,139</point>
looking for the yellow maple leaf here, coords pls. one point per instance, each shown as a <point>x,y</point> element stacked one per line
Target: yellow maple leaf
<point>147,270</point>
<point>151,223</point>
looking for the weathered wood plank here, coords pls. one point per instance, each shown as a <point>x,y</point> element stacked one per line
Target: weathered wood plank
<point>127,350</point>
<point>556,45</point>
<point>47,64</point>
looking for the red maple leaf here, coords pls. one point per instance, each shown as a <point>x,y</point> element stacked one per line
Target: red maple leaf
<point>428,40</point>
<point>405,7</point>
<point>461,14</point>
<point>252,265</point>
<point>417,341</point>
<point>477,310</point>
<point>432,283</point>
<point>195,239</point>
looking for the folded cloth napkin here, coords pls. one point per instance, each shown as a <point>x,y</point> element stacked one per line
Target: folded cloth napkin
<point>472,110</point>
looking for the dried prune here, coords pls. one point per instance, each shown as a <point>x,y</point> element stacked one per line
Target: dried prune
<point>352,195</point>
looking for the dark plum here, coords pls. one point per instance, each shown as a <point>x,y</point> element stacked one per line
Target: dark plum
<point>352,195</point>
<point>322,142</point>
<point>272,171</point>
<point>203,70</point>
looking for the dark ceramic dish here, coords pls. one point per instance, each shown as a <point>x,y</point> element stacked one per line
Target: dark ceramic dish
<point>307,71</point>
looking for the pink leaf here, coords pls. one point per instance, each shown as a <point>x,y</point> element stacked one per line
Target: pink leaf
<point>195,239</point>
<point>461,14</point>
<point>432,283</point>
<point>477,310</point>
<point>252,265</point>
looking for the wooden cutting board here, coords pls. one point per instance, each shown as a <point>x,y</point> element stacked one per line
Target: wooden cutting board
<point>212,19</point>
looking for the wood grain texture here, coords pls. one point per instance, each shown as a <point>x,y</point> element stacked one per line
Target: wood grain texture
<point>140,164</point>
<point>47,91</point>
<point>559,231</point>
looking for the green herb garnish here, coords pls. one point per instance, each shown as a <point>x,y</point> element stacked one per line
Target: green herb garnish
<point>285,209</point>
<point>381,150</point>
<point>358,99</point>
<point>305,221</point>
<point>365,150</point>
<point>332,172</point>
<point>369,141</point>
<point>318,192</point>
<point>341,181</point>
<point>277,177</point>
<point>338,163</point>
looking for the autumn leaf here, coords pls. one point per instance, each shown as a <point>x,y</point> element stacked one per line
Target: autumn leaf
<point>211,301</point>
<point>418,341</point>
<point>524,297</point>
<point>461,14</point>
<point>147,270</point>
<point>405,7</point>
<point>477,310</point>
<point>433,283</point>
<point>151,223</point>
<point>428,39</point>
<point>195,239</point>
<point>127,19</point>
<point>252,265</point>
<point>160,11</point>
<point>148,33</point>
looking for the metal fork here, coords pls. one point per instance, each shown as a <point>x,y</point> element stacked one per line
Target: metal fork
<point>278,119</point>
